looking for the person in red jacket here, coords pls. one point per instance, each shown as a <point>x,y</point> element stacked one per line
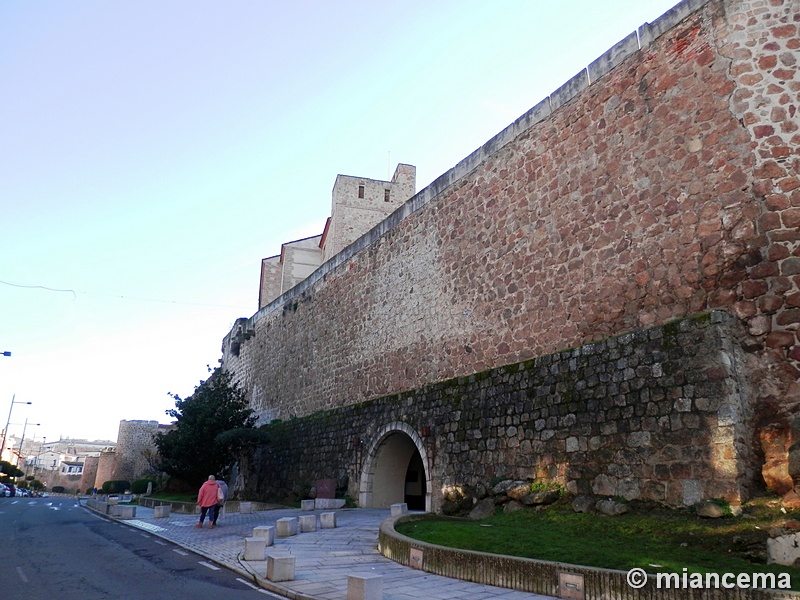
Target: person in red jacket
<point>207,498</point>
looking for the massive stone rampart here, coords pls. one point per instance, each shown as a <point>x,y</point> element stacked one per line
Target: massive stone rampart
<point>660,182</point>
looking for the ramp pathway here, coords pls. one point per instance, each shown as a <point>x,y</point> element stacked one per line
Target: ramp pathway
<point>324,558</point>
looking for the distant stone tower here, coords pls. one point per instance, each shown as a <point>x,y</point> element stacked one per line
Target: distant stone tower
<point>134,441</point>
<point>105,467</point>
<point>90,466</point>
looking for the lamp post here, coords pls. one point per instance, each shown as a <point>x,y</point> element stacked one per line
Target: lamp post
<point>8,421</point>
<point>22,441</point>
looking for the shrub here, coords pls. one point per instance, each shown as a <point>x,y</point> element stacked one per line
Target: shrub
<point>58,489</point>
<point>140,485</point>
<point>116,486</point>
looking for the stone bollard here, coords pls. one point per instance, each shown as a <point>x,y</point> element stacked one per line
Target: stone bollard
<point>328,503</point>
<point>245,508</point>
<point>161,512</point>
<point>327,520</point>
<point>308,523</point>
<point>124,511</point>
<point>286,527</point>
<point>255,548</point>
<point>280,567</point>
<point>368,586</point>
<point>306,504</point>
<point>265,531</point>
<point>399,509</point>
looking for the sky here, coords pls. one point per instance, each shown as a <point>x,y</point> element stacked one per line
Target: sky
<point>152,152</point>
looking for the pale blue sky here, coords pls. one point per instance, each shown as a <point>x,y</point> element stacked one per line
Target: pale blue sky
<point>151,153</point>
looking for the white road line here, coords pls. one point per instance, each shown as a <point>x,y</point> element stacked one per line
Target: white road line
<point>181,552</point>
<point>208,565</point>
<point>161,543</point>
<point>22,575</point>
<point>147,535</point>
<point>247,583</point>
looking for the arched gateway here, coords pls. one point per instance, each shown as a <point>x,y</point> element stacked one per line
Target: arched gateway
<point>395,469</point>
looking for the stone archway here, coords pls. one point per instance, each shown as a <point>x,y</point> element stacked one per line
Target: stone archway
<point>395,469</point>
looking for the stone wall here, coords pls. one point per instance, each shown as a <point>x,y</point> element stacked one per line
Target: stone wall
<point>659,414</point>
<point>660,182</point>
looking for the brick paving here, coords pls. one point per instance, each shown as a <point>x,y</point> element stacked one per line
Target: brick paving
<point>324,558</point>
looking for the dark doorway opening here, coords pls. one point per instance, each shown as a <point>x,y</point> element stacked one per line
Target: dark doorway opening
<point>415,488</point>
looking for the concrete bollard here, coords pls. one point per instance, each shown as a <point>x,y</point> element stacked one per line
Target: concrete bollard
<point>161,512</point>
<point>255,548</point>
<point>365,587</point>
<point>327,520</point>
<point>123,511</point>
<point>265,531</point>
<point>308,523</point>
<point>399,509</point>
<point>306,504</point>
<point>286,527</point>
<point>246,508</point>
<point>280,567</point>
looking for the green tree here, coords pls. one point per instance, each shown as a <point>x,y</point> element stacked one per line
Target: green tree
<point>204,440</point>
<point>9,470</point>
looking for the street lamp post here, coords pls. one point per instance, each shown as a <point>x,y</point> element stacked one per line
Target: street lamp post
<point>8,421</point>
<point>22,441</point>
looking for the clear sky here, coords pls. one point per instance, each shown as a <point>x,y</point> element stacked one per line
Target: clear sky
<point>153,151</point>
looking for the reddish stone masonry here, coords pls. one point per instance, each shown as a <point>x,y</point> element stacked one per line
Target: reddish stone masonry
<point>665,188</point>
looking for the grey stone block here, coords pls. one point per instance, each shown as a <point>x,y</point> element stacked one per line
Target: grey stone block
<point>280,567</point>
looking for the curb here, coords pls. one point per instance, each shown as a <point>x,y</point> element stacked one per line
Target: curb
<point>242,570</point>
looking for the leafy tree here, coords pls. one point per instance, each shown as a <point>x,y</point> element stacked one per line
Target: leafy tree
<point>196,447</point>
<point>6,468</point>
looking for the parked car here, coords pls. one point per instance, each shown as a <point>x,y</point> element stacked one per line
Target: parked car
<point>4,491</point>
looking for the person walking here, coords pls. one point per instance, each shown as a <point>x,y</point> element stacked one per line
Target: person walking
<point>207,499</point>
<point>222,496</point>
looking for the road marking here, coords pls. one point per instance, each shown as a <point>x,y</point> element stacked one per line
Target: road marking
<point>22,575</point>
<point>247,583</point>
<point>209,565</point>
<point>160,542</point>
<point>181,552</point>
<point>145,535</point>
<point>147,526</point>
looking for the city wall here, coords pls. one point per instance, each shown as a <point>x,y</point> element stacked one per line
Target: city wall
<point>659,183</point>
<point>659,414</point>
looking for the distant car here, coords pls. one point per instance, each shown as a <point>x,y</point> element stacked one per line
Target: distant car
<point>4,491</point>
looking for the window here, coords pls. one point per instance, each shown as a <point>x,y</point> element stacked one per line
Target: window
<point>386,195</point>
<point>361,191</point>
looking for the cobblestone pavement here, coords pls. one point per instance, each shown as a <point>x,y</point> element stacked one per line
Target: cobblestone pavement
<point>324,558</point>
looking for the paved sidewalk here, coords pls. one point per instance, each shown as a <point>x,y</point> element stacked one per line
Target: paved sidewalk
<point>324,558</point>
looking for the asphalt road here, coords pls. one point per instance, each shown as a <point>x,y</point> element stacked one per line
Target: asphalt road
<point>52,548</point>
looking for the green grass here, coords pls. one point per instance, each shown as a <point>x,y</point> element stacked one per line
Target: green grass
<point>654,539</point>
